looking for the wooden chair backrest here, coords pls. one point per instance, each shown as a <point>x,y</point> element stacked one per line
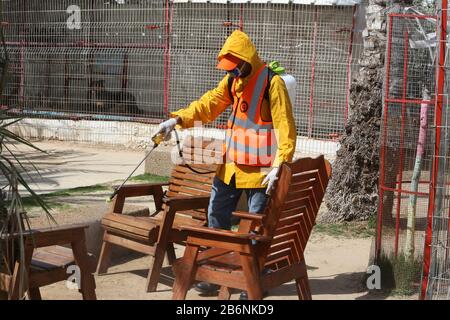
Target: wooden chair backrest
<point>199,153</point>
<point>292,210</point>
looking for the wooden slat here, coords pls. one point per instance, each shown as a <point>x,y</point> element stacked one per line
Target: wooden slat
<point>286,274</point>
<point>131,225</point>
<point>191,184</point>
<point>144,223</point>
<point>188,191</point>
<point>196,214</point>
<point>43,278</point>
<point>130,244</point>
<point>59,250</point>
<point>48,261</point>
<point>189,175</point>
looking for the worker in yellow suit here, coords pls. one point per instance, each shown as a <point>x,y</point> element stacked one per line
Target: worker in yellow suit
<point>261,132</point>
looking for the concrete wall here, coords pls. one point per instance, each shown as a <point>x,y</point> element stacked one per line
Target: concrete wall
<point>137,135</point>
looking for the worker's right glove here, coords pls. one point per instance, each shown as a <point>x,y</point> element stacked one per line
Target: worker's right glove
<point>165,128</point>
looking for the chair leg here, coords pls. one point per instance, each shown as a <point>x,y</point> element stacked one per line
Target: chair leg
<point>185,275</point>
<point>81,259</point>
<point>252,277</point>
<point>224,293</point>
<point>302,284</point>
<point>14,293</point>
<point>155,271</point>
<point>171,256</point>
<point>104,259</point>
<point>34,294</point>
<point>19,284</point>
<point>303,290</point>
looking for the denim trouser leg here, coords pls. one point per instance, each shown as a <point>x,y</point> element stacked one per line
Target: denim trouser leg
<point>224,199</point>
<point>256,199</point>
<point>223,202</point>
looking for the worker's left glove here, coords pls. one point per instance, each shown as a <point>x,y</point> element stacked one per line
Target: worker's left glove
<point>270,179</point>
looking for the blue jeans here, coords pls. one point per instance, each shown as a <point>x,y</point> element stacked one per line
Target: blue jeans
<point>224,199</point>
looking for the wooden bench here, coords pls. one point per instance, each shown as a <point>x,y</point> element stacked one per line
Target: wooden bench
<point>184,203</point>
<point>267,250</point>
<point>47,261</point>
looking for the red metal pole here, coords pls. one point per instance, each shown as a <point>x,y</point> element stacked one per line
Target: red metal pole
<point>383,146</point>
<point>125,73</point>
<point>435,167</point>
<point>22,78</point>
<point>410,101</point>
<point>313,66</point>
<point>402,140</point>
<point>241,18</point>
<point>349,68</point>
<point>166,61</point>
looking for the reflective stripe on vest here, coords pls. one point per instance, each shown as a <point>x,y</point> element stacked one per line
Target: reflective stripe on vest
<point>250,140</point>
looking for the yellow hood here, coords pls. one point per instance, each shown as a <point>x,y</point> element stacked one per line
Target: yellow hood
<point>239,45</point>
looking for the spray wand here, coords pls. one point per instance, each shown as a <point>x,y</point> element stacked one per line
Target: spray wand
<point>157,139</point>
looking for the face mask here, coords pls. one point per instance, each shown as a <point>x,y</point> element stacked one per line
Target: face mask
<point>235,73</point>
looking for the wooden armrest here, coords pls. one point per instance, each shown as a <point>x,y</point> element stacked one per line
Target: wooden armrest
<point>65,227</point>
<point>250,216</point>
<point>58,235</point>
<point>187,203</point>
<point>141,189</point>
<point>57,228</point>
<point>206,232</point>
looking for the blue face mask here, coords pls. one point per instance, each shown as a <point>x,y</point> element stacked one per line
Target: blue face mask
<point>235,73</point>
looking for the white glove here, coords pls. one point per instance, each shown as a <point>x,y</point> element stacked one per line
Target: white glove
<point>166,128</point>
<point>270,179</point>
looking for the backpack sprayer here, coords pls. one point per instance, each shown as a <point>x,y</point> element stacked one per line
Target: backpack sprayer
<point>157,139</point>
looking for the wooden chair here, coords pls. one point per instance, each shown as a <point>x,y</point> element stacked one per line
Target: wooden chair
<point>273,242</point>
<point>184,203</point>
<point>47,262</point>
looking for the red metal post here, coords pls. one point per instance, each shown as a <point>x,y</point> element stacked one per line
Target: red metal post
<point>349,66</point>
<point>166,60</point>
<point>22,78</point>
<point>125,72</point>
<point>402,140</point>
<point>435,168</point>
<point>241,18</point>
<point>383,146</point>
<point>313,66</point>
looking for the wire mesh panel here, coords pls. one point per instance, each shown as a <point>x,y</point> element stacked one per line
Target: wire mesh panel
<point>406,148</point>
<point>314,43</point>
<point>436,275</point>
<point>439,273</point>
<point>137,60</point>
<point>86,57</point>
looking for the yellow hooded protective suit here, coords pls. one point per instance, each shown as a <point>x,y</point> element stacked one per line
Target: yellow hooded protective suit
<point>215,101</point>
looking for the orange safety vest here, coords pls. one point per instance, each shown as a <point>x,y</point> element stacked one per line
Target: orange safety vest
<point>250,140</point>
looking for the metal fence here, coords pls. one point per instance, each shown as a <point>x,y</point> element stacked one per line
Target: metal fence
<point>406,151</point>
<point>137,60</point>
<point>436,273</point>
<point>413,219</point>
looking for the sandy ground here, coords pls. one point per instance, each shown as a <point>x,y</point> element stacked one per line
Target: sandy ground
<point>335,265</point>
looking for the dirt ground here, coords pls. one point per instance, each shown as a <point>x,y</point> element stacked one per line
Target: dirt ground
<point>336,265</point>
